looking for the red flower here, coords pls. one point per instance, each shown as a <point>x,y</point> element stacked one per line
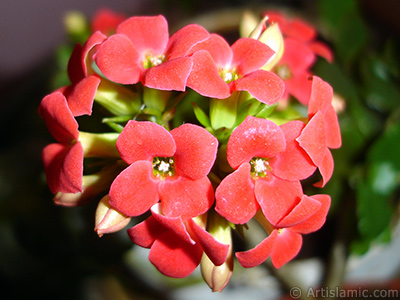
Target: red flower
<point>268,165</point>
<point>284,241</point>
<point>176,246</point>
<point>218,69</point>
<point>323,126</point>
<point>143,51</point>
<point>300,53</point>
<point>302,31</point>
<point>63,161</point>
<point>167,166</point>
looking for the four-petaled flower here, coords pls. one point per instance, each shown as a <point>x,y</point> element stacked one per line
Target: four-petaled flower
<point>269,165</point>
<point>170,167</point>
<point>284,241</point>
<point>142,50</point>
<point>219,70</point>
<point>300,53</point>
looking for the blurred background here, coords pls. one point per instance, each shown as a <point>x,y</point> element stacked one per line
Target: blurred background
<point>52,252</point>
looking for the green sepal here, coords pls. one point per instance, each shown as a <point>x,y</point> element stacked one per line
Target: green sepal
<point>117,99</point>
<point>201,116</point>
<point>99,144</point>
<point>113,122</point>
<point>223,112</point>
<point>156,100</point>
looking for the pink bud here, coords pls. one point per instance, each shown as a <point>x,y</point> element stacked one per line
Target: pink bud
<point>217,277</point>
<point>108,219</point>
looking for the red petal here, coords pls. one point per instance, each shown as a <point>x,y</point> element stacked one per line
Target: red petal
<point>218,48</point>
<point>277,197</point>
<point>196,150</point>
<point>134,190</point>
<point>216,251</point>
<point>249,55</point>
<point>300,87</point>
<point>293,163</point>
<point>147,34</point>
<point>144,140</point>
<point>298,56</point>
<point>205,79</point>
<point>313,138</point>
<point>321,96</point>
<point>322,50</point>
<point>300,30</point>
<point>325,168</point>
<point>235,199</point>
<point>174,257</point>
<point>183,40</point>
<point>170,75</point>
<point>145,233</point>
<point>259,254</point>
<point>301,212</point>
<point>185,198</point>
<point>63,166</point>
<point>265,86</point>
<point>333,135</point>
<point>174,224</point>
<point>317,220</point>
<point>58,117</point>
<point>94,40</point>
<point>287,245</point>
<point>118,60</point>
<point>74,69</point>
<point>254,137</point>
<point>80,96</point>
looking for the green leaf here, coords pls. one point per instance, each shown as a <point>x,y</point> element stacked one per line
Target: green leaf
<point>381,93</point>
<point>349,32</point>
<point>373,210</point>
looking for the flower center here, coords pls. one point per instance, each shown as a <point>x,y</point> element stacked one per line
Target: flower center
<point>259,167</point>
<point>151,60</point>
<point>228,75</point>
<point>283,71</point>
<point>163,167</point>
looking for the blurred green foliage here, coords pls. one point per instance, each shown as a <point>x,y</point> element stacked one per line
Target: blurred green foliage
<point>366,75</point>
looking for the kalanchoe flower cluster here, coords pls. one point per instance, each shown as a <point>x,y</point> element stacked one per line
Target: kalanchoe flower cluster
<point>192,176</point>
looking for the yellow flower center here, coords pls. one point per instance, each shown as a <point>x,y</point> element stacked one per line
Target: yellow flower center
<point>151,60</point>
<point>259,167</point>
<point>228,75</point>
<point>163,167</point>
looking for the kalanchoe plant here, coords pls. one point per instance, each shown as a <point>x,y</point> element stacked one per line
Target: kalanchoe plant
<point>187,181</point>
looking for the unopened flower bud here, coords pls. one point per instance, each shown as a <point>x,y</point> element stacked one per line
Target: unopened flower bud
<point>248,24</point>
<point>217,277</point>
<point>272,37</point>
<point>76,24</point>
<point>108,219</point>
